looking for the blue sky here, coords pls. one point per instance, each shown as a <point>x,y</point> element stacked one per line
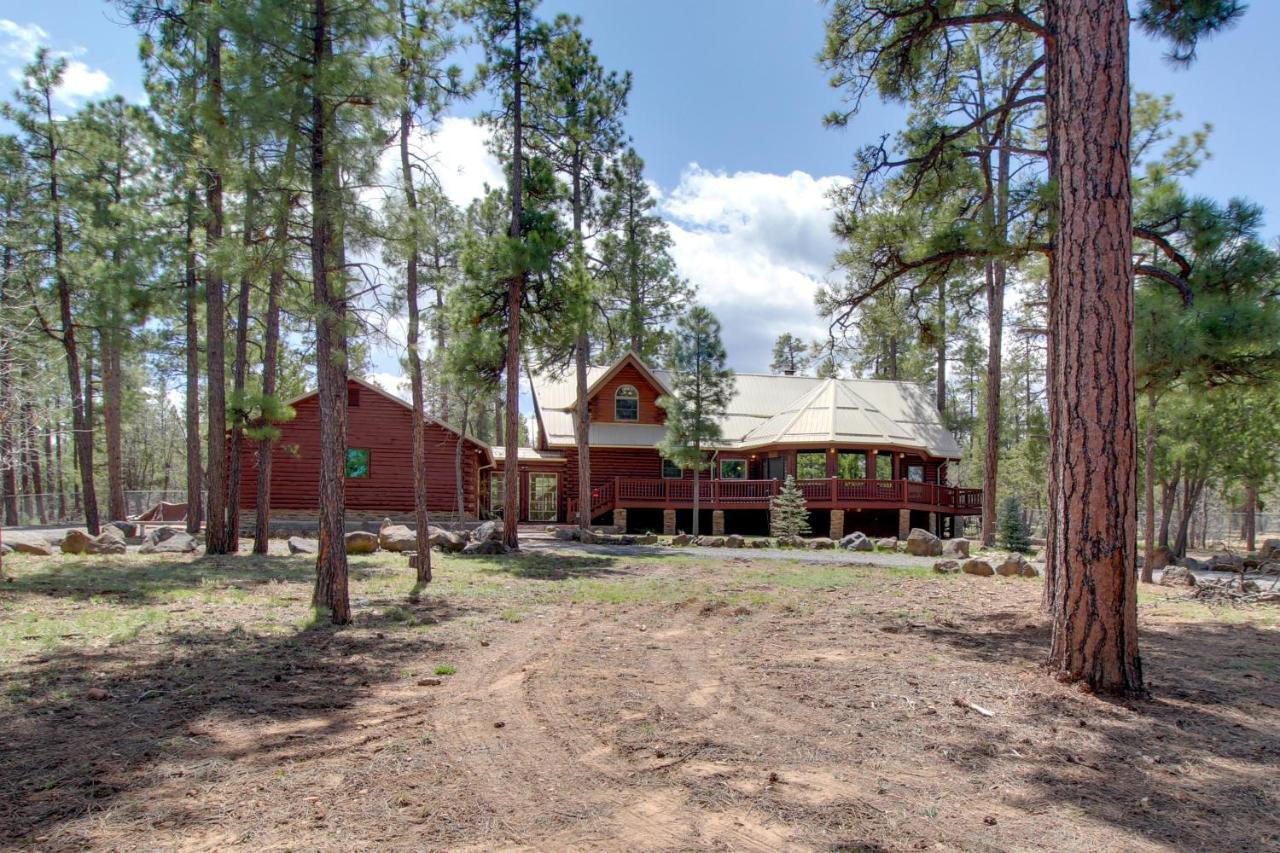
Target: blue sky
<point>726,110</point>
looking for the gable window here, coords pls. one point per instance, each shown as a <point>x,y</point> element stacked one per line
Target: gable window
<point>733,469</point>
<point>353,396</point>
<point>671,471</point>
<point>357,463</point>
<point>626,404</point>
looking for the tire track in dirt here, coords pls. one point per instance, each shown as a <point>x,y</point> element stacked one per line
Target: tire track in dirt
<point>557,780</point>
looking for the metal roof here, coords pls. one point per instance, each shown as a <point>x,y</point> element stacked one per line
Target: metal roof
<point>768,409</point>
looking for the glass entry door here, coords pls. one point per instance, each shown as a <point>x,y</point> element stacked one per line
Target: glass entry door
<point>543,497</point>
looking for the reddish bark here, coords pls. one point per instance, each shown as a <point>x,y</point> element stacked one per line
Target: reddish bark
<point>1092,498</point>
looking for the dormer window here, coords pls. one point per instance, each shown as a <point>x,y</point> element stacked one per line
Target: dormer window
<point>626,404</point>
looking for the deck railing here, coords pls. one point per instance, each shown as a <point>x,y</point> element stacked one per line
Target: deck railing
<point>639,491</point>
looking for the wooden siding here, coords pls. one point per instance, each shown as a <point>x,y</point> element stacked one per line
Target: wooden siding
<point>601,403</point>
<point>382,426</point>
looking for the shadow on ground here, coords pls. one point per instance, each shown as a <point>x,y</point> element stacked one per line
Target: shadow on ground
<point>1195,766</point>
<point>89,726</point>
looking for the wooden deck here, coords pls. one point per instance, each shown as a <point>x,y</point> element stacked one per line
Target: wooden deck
<point>824,494</point>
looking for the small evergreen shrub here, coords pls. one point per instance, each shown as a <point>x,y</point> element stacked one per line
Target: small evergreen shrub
<point>788,512</point>
<point>1011,530</point>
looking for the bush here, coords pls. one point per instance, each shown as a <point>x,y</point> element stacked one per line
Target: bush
<point>1011,530</point>
<point>788,512</point>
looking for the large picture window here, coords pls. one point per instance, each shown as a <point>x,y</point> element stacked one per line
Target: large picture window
<point>671,471</point>
<point>626,404</point>
<point>733,469</point>
<point>852,465</point>
<point>811,465</point>
<point>357,463</point>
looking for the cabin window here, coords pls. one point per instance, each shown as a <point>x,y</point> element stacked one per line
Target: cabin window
<point>733,469</point>
<point>811,465</point>
<point>626,404</point>
<point>497,490</point>
<point>884,466</point>
<point>915,473</point>
<point>671,471</point>
<point>353,397</point>
<point>357,463</point>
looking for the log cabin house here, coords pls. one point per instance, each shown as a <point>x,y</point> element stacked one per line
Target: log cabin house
<point>869,455</point>
<point>379,471</point>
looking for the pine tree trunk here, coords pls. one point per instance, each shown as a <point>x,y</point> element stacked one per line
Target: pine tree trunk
<point>996,273</point>
<point>239,373</point>
<point>1191,490</point>
<point>1091,389</point>
<point>515,299</point>
<point>422,519</point>
<point>940,355</point>
<point>62,491</point>
<point>112,418</point>
<point>48,468</point>
<point>270,350</point>
<point>30,430</point>
<point>217,536</point>
<point>1149,491</point>
<point>195,474</point>
<point>582,359</point>
<point>1168,494</point>
<point>1250,517</point>
<point>696,469</point>
<point>82,422</point>
<point>331,593</point>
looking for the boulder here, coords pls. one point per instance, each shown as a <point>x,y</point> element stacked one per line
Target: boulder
<point>445,540</point>
<point>588,537</point>
<point>710,541</point>
<point>857,542</point>
<point>1226,563</point>
<point>109,545</point>
<point>889,543</point>
<point>80,542</point>
<point>397,537</point>
<point>946,567</point>
<point>1193,564</point>
<point>758,543</point>
<point>734,541</point>
<point>820,543</point>
<point>169,541</point>
<point>565,534</point>
<point>128,530</point>
<point>647,539</point>
<point>299,545</point>
<point>76,541</point>
<point>110,531</point>
<point>680,540</point>
<point>1011,566</point>
<point>978,567</point>
<point>922,543</point>
<point>490,531</point>
<point>1271,567</point>
<point>955,548</point>
<point>28,543</point>
<point>789,542</point>
<point>485,546</point>
<point>361,542</point>
<point>1270,550</point>
<point>1031,570</point>
<point>1177,576</point>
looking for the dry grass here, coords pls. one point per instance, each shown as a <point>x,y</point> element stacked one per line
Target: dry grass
<point>570,701</point>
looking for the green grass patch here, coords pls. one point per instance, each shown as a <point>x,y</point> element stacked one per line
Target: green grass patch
<point>446,669</point>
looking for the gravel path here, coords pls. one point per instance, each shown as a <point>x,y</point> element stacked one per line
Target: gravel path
<point>842,557</point>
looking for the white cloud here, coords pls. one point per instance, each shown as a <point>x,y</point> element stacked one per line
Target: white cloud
<point>756,246</point>
<point>80,81</point>
<point>392,383</point>
<point>458,156</point>
<point>18,44</point>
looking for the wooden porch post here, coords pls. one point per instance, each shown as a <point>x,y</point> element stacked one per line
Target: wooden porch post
<point>871,464</point>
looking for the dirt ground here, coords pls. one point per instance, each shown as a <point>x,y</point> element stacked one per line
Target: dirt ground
<point>570,701</point>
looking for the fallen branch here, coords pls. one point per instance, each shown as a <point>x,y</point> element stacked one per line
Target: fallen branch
<point>964,703</point>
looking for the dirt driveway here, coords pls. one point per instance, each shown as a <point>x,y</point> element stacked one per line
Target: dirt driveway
<point>567,701</point>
